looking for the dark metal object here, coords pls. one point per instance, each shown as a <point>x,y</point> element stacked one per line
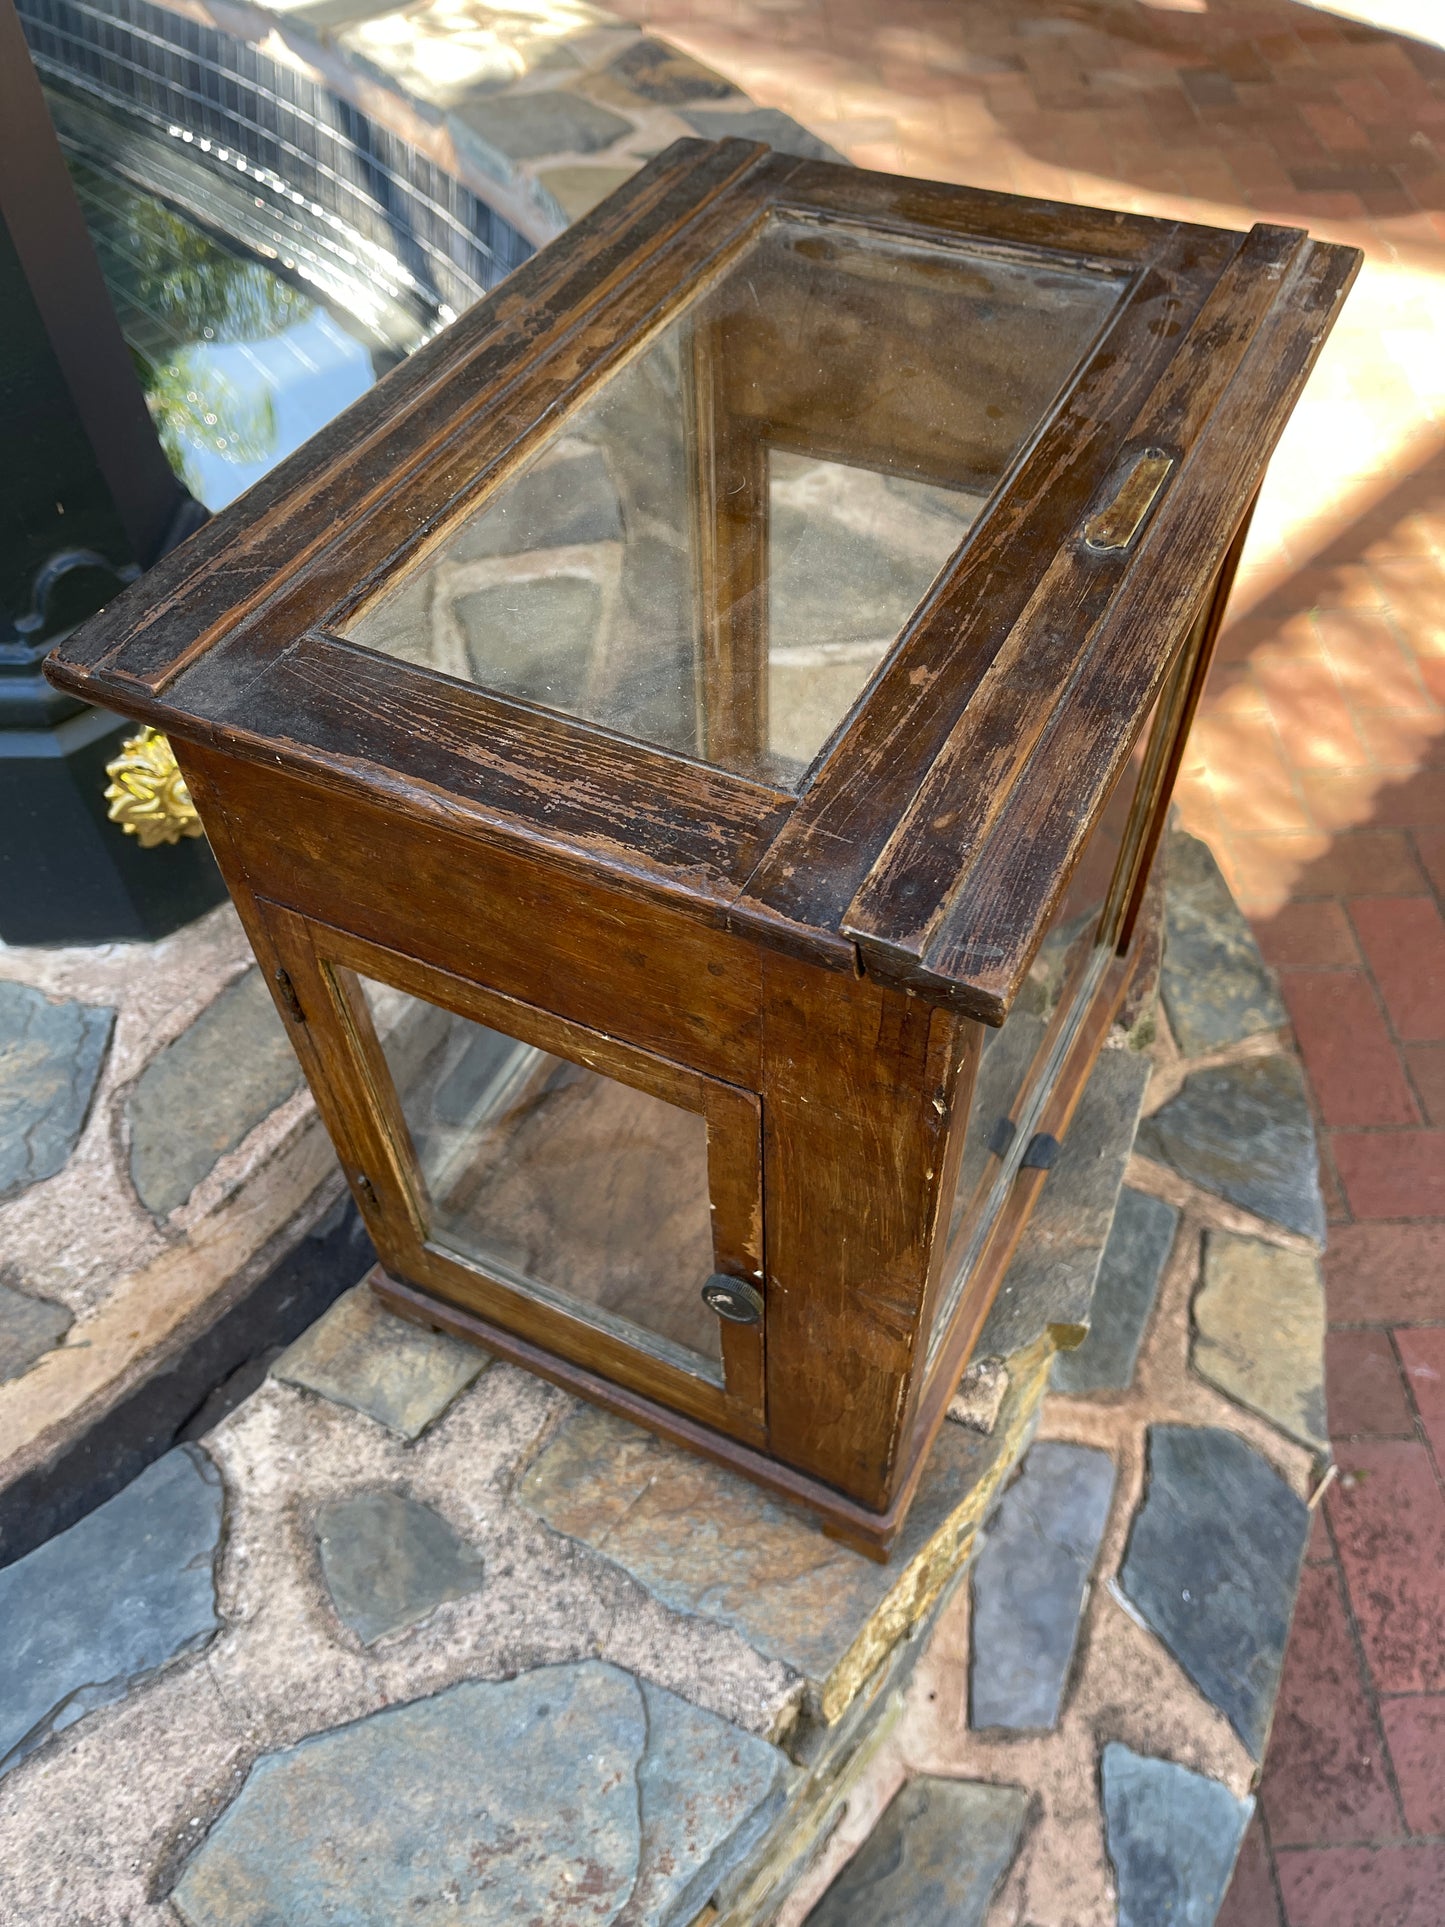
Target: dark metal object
<point>733,1298</point>
<point>1042,1153</point>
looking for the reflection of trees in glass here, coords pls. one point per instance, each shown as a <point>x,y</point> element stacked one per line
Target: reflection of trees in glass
<point>177,292</point>
<point>194,406</point>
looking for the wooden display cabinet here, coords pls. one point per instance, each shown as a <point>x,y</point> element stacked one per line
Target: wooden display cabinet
<point>688,748</point>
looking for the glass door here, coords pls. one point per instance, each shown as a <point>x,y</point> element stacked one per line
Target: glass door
<point>575,1191</point>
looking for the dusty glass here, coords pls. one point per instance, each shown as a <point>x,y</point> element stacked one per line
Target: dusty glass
<point>715,551</point>
<point>556,1180</point>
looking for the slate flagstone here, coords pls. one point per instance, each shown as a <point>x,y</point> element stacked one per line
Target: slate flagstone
<point>1212,1565</point>
<point>1030,1580</point>
<point>93,1611</point>
<point>1216,987</point>
<point>935,1858</point>
<point>574,1795</point>
<point>1243,1131</point>
<point>1259,1320</point>
<point>1134,1259</point>
<point>388,1560</point>
<point>360,1354</point>
<point>1173,1837</point>
<point>50,1061</point>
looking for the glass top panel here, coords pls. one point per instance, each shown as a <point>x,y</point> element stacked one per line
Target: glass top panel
<point>714,552</point>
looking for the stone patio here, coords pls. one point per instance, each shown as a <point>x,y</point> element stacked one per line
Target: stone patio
<point>460,1642</point>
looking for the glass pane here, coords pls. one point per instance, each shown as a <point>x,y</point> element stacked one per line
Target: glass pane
<point>1073,955</point>
<point>239,365</point>
<point>851,555</point>
<point>715,551</point>
<point>561,1182</point>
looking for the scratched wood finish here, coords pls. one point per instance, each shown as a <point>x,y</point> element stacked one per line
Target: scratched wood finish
<point>808,969</point>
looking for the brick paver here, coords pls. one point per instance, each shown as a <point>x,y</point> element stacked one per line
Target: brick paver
<point>1317,767</point>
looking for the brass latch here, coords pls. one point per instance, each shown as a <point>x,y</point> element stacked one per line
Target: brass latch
<point>1114,527</point>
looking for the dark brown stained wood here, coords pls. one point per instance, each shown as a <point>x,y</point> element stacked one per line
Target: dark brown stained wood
<point>936,207</point>
<point>1011,706</point>
<point>824,851</point>
<point>370,454</point>
<point>973,938</point>
<point>857,1087</point>
<point>439,748</point>
<point>646,974</point>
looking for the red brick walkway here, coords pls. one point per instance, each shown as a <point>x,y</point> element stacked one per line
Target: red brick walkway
<point>1317,769</point>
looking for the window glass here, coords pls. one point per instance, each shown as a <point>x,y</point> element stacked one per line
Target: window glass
<point>555,1179</point>
<point>715,551</point>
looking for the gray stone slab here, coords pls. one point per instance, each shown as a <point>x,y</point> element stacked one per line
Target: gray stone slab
<point>1173,1837</point>
<point>577,190</point>
<point>527,126</point>
<point>50,1060</point>
<point>706,1542</point>
<point>571,1795</point>
<point>935,1858</point>
<point>1030,1580</point>
<point>389,1560</point>
<point>666,76</point>
<point>1243,1131</point>
<point>1216,987</point>
<point>90,1613</point>
<point>1213,1566</point>
<point>1133,1263</point>
<point>768,124</point>
<point>1050,1282</point>
<point>363,1356</point>
<point>205,1091</point>
<point>29,1327</point>
<point>1259,1332</point>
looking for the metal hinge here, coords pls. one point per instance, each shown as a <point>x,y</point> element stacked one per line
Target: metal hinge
<point>1042,1153</point>
<point>287,992</point>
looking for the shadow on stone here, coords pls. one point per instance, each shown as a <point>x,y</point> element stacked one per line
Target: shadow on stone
<point>206,1091</point>
<point>1134,1259</point>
